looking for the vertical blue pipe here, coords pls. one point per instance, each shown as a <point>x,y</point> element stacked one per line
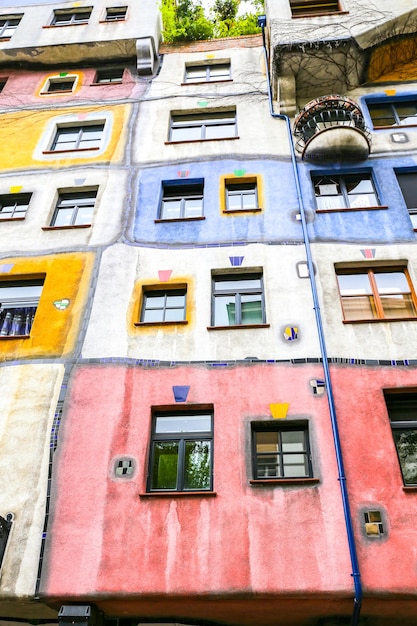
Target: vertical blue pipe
<point>357,602</point>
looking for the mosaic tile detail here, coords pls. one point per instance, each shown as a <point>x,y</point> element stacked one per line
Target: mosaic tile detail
<point>61,305</point>
<point>16,188</point>
<point>79,181</point>
<point>183,173</point>
<point>239,172</point>
<point>318,386</point>
<point>124,467</point>
<point>368,253</point>
<point>236,261</point>
<point>291,333</point>
<point>202,103</point>
<point>181,392</point>
<point>279,410</point>
<point>164,275</point>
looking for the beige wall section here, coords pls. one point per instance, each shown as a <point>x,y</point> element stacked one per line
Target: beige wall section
<point>111,332</point>
<point>28,398</point>
<point>27,235</point>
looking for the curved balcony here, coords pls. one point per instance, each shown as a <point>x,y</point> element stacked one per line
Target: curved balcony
<point>332,128</point>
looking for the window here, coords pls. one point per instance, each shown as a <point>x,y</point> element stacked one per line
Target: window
<point>402,411</point>
<point>8,25</point>
<point>63,17</point>
<point>373,523</point>
<point>13,206</point>
<point>281,451</point>
<point>352,191</point>
<point>241,196</point>
<point>57,85</point>
<point>5,527</point>
<point>181,451</point>
<point>18,303</point>
<point>408,186</point>
<point>109,75</point>
<point>181,200</point>
<point>87,137</point>
<point>3,82</point>
<point>238,299</point>
<point>74,209</point>
<point>203,126</point>
<point>164,305</point>
<point>377,293</point>
<point>393,112</point>
<point>207,72</point>
<point>114,14</point>
<point>309,8</point>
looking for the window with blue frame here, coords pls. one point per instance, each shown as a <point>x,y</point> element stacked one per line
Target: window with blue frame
<point>397,111</point>
<point>345,191</point>
<point>182,199</point>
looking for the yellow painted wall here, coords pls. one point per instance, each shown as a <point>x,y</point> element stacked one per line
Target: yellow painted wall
<point>56,325</point>
<point>394,61</point>
<point>24,131</point>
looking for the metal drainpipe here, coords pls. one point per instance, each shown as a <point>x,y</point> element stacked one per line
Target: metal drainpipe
<point>357,601</point>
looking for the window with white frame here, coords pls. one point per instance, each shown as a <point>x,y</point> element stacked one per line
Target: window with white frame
<point>181,200</point>
<point>18,303</point>
<point>237,299</point>
<point>8,25</point>
<point>109,75</point>
<point>59,84</point>
<point>115,14</point>
<point>74,209</point>
<point>13,206</point>
<point>77,137</point>
<point>203,126</point>
<point>207,72</point>
<point>241,195</point>
<point>65,17</point>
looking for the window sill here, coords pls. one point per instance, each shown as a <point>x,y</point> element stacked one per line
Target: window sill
<point>14,337</point>
<point>55,93</point>
<point>70,150</point>
<point>177,494</point>
<point>381,319</point>
<point>238,326</point>
<point>180,219</point>
<point>265,482</point>
<point>207,82</point>
<point>336,13</point>
<point>173,143</point>
<point>257,210</point>
<point>107,83</point>
<point>181,322</point>
<point>119,19</point>
<point>11,219</point>
<point>410,488</point>
<point>4,39</point>
<point>348,209</point>
<point>63,25</point>
<point>72,227</point>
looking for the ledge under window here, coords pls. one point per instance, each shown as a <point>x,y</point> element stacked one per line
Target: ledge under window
<point>236,211</point>
<point>381,319</point>
<point>181,219</point>
<point>168,143</point>
<point>349,209</point>
<point>70,227</point>
<point>283,481</point>
<point>173,323</point>
<point>410,488</point>
<point>178,494</point>
<point>14,337</point>
<point>238,326</point>
<point>70,150</point>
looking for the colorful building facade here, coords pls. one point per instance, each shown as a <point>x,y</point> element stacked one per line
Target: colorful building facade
<point>208,317</point>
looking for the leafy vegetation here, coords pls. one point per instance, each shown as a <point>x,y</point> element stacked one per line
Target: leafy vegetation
<point>186,20</point>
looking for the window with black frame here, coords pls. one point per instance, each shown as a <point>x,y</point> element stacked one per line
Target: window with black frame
<point>181,455</point>
<point>164,306</point>
<point>238,299</point>
<point>408,185</point>
<point>182,200</point>
<point>281,451</point>
<point>402,411</point>
<point>74,209</point>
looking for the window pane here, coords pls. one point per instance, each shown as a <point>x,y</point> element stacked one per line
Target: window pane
<point>406,443</point>
<point>391,282</point>
<point>197,73</point>
<point>238,285</point>
<point>293,441</point>
<point>171,209</point>
<point>165,465</point>
<point>398,306</point>
<point>174,315</point>
<point>382,115</point>
<point>295,465</point>
<point>84,215</point>
<point>220,131</point>
<point>197,465</point>
<point>359,308</point>
<point>354,284</point>
<point>224,311</point>
<point>155,302</point>
<point>183,424</point>
<point>193,207</point>
<point>251,309</point>
<point>219,70</point>
<point>186,133</point>
<point>63,217</point>
<point>407,112</point>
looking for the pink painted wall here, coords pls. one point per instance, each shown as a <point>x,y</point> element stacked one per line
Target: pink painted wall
<point>24,87</point>
<point>105,539</point>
